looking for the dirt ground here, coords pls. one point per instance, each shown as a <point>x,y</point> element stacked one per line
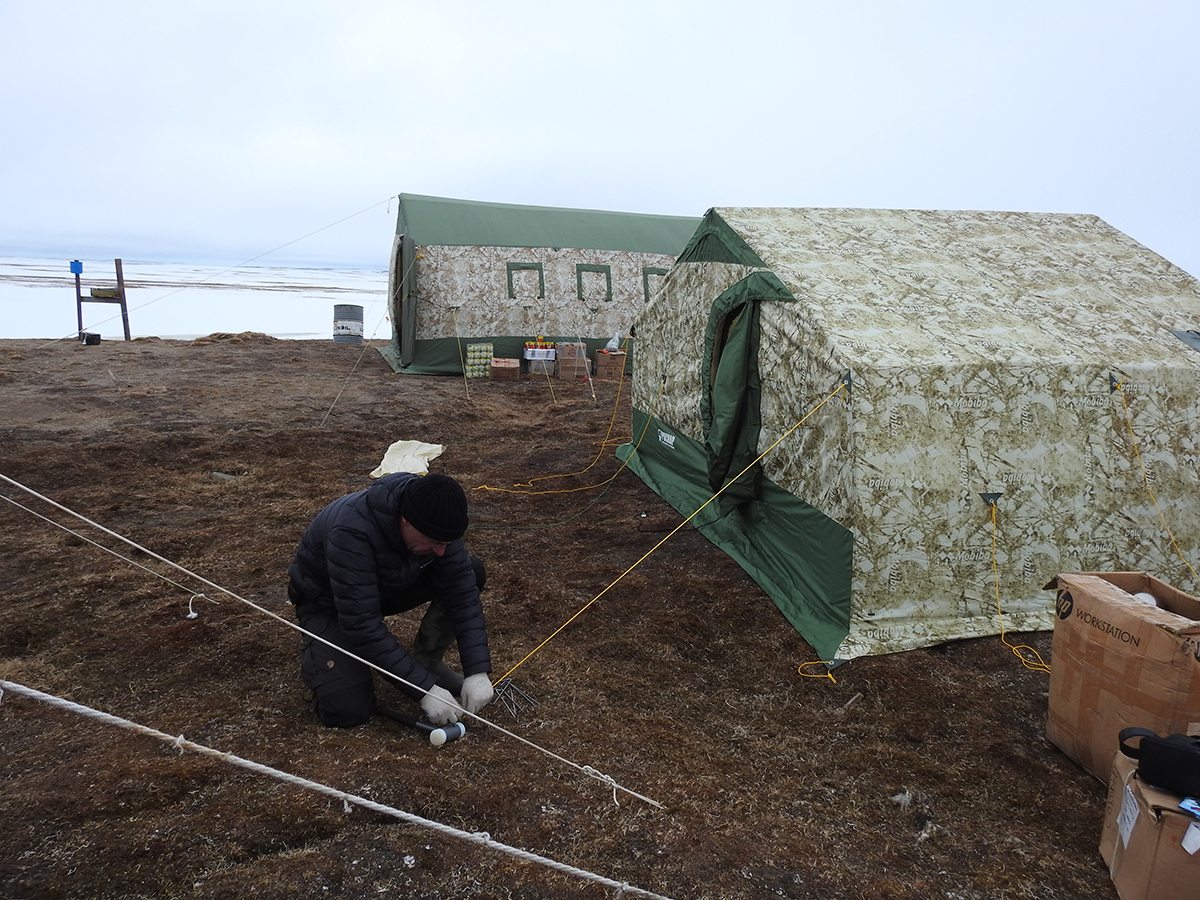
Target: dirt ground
<point>918,775</point>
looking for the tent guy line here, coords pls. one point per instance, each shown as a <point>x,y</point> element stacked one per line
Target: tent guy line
<point>1035,661</point>
<point>842,385</point>
<point>350,374</point>
<point>109,550</point>
<point>603,445</point>
<point>589,771</point>
<point>179,743</point>
<point>366,346</point>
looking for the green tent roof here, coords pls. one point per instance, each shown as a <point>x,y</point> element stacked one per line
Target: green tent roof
<point>469,223</point>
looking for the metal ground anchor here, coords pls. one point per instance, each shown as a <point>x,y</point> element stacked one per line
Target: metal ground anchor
<point>514,699</point>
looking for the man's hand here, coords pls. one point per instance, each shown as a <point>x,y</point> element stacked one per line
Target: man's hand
<point>477,692</point>
<point>438,706</point>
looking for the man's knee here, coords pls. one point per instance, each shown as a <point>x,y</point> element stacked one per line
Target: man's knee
<point>343,708</point>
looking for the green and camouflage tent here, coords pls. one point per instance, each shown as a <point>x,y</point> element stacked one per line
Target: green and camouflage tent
<point>956,407</point>
<point>464,272</point>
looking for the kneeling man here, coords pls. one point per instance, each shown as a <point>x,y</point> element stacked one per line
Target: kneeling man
<point>395,546</point>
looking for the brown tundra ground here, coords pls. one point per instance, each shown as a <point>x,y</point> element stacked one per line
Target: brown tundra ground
<point>919,775</point>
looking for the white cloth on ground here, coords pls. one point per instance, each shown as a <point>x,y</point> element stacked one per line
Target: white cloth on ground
<point>408,456</point>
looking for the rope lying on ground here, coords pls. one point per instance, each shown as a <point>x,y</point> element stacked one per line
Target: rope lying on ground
<point>478,837</point>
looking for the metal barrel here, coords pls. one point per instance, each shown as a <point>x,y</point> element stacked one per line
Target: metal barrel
<point>347,324</point>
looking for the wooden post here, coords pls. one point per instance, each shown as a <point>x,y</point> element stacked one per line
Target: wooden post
<point>121,293</point>
<point>77,268</point>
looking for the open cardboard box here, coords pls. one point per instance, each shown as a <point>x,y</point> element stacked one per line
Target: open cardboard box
<point>1149,843</point>
<point>610,363</point>
<point>570,350</point>
<point>1117,662</point>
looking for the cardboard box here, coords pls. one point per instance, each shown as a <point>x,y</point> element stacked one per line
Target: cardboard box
<point>610,363</point>
<point>540,366</point>
<point>1148,842</point>
<point>571,351</point>
<point>506,369</point>
<point>1117,662</point>
<point>573,369</point>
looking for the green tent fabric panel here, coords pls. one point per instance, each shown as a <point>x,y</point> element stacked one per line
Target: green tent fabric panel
<point>715,241</point>
<point>405,335</point>
<point>468,223</point>
<point>729,405</point>
<point>444,356</point>
<point>800,557</point>
<point>731,438</point>
<point>756,286</point>
<point>391,355</point>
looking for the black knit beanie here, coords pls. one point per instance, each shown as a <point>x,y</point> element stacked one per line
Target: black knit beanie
<point>436,506</point>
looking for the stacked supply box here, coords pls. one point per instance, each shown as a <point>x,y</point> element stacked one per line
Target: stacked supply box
<point>506,369</point>
<point>1148,841</point>
<point>539,357</point>
<point>1120,661</point>
<point>571,361</point>
<point>479,360</point>
<point>610,363</point>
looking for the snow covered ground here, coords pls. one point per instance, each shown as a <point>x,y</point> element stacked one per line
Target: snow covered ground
<point>185,300</point>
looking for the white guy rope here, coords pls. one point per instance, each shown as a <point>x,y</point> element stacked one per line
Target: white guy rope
<point>478,837</point>
<point>589,771</point>
<point>99,546</point>
<point>366,347</point>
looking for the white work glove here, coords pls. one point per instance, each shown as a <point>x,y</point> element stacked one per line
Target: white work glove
<point>477,692</point>
<point>438,706</point>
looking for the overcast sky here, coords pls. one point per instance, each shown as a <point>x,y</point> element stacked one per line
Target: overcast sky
<point>223,130</point>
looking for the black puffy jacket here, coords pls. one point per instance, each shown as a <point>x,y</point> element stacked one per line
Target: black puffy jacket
<point>352,560</point>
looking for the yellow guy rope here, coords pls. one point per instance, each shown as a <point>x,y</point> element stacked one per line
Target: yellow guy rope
<point>817,662</point>
<point>647,554</point>
<point>604,484</point>
<point>1120,385</point>
<point>603,445</point>
<point>1035,661</point>
<point>462,363</point>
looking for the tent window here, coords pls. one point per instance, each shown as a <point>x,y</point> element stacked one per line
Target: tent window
<point>652,281</point>
<point>593,284</point>
<point>521,279</point>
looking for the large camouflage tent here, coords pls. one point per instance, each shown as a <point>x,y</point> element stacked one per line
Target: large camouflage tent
<point>954,406</point>
<point>467,272</point>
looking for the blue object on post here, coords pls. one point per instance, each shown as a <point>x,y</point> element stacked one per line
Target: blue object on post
<point>76,267</point>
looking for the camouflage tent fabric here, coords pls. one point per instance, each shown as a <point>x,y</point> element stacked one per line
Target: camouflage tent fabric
<point>987,399</point>
<point>465,272</point>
